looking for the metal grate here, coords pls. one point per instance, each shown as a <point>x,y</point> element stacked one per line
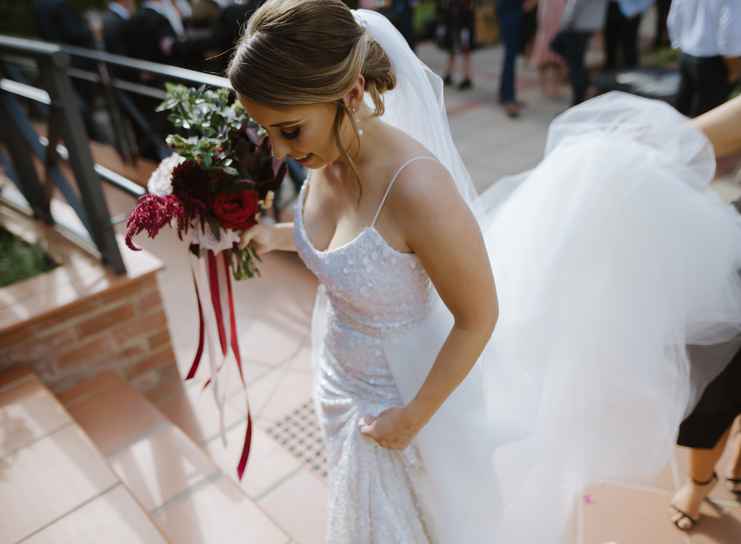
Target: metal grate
<point>300,434</point>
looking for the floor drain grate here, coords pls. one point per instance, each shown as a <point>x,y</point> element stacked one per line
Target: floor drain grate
<point>300,434</point>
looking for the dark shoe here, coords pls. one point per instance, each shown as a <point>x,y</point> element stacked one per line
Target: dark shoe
<point>681,519</point>
<point>447,80</point>
<point>465,85</point>
<point>512,109</point>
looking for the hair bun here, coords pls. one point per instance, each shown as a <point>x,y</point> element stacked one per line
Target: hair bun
<point>378,73</point>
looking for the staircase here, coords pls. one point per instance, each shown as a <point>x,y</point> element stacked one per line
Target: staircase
<point>105,466</point>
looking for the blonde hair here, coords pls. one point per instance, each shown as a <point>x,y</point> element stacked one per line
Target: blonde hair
<point>302,52</point>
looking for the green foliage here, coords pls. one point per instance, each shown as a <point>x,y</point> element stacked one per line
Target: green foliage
<point>20,260</point>
<point>211,119</point>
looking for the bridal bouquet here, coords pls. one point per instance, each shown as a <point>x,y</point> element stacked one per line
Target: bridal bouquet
<point>220,178</point>
<point>212,189</point>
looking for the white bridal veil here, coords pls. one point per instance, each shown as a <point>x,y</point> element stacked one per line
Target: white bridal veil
<point>609,258</point>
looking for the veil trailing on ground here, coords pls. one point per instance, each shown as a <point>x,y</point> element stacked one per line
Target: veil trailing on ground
<point>609,257</point>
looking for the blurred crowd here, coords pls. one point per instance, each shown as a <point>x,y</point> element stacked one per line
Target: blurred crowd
<point>553,35</point>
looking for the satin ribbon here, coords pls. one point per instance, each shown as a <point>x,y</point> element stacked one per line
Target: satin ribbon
<point>212,328</point>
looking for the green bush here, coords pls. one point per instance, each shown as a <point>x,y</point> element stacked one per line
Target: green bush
<point>20,260</point>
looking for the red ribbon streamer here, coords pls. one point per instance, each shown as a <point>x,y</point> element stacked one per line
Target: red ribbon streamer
<point>213,281</point>
<point>233,319</point>
<point>199,351</point>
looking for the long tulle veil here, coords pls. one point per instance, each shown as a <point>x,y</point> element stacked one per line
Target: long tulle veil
<point>603,277</point>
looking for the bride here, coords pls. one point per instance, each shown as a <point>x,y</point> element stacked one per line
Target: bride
<point>454,410</point>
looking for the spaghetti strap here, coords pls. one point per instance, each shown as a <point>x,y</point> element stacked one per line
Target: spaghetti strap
<point>393,180</point>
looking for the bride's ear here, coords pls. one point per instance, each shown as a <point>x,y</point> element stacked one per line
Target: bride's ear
<point>354,97</point>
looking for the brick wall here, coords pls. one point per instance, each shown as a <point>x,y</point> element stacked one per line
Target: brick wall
<point>123,329</point>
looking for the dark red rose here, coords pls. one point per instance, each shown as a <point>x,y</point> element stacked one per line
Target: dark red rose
<point>236,210</point>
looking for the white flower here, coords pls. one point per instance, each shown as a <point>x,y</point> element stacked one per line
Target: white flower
<point>160,182</point>
<point>207,240</point>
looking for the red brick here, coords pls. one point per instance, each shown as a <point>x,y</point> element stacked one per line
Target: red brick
<point>142,326</point>
<point>161,359</point>
<point>87,353</point>
<point>68,314</point>
<point>58,339</point>
<point>105,320</point>
<point>15,337</point>
<point>123,291</point>
<point>159,339</point>
<point>149,302</point>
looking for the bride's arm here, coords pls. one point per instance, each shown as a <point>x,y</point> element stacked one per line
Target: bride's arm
<point>440,228</point>
<point>266,238</point>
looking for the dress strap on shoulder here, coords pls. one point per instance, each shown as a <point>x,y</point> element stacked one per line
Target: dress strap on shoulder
<point>393,180</point>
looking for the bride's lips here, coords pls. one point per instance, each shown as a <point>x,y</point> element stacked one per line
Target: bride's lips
<point>305,159</point>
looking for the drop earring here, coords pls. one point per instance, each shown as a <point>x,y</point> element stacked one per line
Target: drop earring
<point>357,123</point>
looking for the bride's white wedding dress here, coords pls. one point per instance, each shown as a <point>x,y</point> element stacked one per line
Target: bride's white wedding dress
<point>609,258</point>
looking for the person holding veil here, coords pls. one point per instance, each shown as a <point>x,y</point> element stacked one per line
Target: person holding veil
<point>457,409</point>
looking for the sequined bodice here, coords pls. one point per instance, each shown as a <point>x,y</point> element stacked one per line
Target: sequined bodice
<point>369,284</point>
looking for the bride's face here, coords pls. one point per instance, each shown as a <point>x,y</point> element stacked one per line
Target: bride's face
<point>305,133</point>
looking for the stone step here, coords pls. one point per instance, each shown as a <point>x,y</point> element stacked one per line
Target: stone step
<point>177,483</point>
<point>56,485</point>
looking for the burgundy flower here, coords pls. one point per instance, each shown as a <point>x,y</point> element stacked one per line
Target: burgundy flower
<point>151,213</point>
<point>191,184</point>
<point>237,210</point>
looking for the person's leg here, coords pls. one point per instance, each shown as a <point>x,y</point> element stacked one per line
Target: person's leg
<point>715,87</point>
<point>509,26</point>
<point>448,79</point>
<point>467,71</point>
<point>577,67</point>
<point>612,30</point>
<point>688,499</point>
<point>685,95</point>
<point>662,14</point>
<point>630,41</point>
<point>706,430</point>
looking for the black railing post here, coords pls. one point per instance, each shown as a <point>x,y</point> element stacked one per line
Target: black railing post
<point>75,138</point>
<point>27,179</point>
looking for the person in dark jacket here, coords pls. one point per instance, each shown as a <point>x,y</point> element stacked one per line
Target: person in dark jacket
<point>115,20</point>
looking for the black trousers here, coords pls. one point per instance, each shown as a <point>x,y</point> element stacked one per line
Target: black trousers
<point>621,35</point>
<point>572,46</point>
<point>704,84</point>
<point>719,405</point>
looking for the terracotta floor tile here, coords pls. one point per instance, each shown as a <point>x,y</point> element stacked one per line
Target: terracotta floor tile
<point>623,514</point>
<point>161,465</point>
<point>217,512</point>
<point>716,527</point>
<point>293,390</point>
<point>299,506</point>
<point>115,515</point>
<point>48,479</point>
<point>195,412</point>
<point>269,462</point>
<point>28,411</point>
<point>116,419</point>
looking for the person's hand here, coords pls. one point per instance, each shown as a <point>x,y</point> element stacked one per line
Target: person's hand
<point>392,429</point>
<point>261,237</point>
